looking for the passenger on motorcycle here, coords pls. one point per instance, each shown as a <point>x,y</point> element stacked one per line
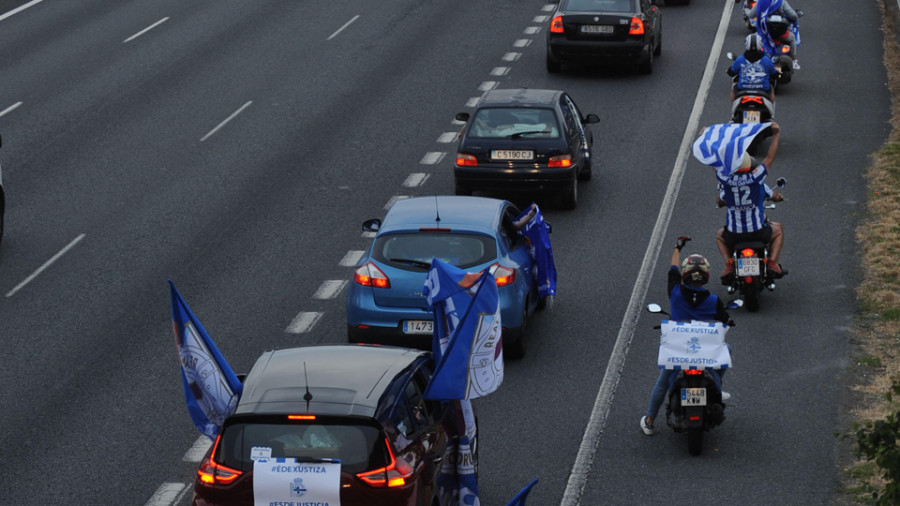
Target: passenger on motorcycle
<point>744,194</point>
<point>779,25</point>
<point>688,300</point>
<point>752,70</point>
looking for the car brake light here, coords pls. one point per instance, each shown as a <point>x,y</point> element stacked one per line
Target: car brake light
<point>503,275</point>
<point>301,417</point>
<point>464,160</point>
<point>560,161</point>
<point>637,27</point>
<point>212,473</point>
<point>392,475</point>
<point>693,372</point>
<point>556,26</point>
<point>369,274</point>
<point>747,252</point>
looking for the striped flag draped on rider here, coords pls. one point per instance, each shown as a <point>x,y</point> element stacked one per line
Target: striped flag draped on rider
<point>723,146</point>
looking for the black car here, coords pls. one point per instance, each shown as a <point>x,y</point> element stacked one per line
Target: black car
<point>604,31</point>
<point>523,139</point>
<point>361,404</point>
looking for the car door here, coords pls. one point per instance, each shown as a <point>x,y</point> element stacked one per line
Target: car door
<point>581,137</point>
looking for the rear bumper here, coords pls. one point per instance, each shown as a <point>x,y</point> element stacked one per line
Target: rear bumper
<point>577,51</point>
<point>502,179</point>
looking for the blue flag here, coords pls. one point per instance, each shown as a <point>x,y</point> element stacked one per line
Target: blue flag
<point>467,346</point>
<point>538,233</point>
<point>765,8</point>
<point>519,499</point>
<point>211,389</point>
<point>723,146</point>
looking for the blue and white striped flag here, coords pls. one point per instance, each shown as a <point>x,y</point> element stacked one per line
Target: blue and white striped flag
<point>723,146</point>
<point>765,8</point>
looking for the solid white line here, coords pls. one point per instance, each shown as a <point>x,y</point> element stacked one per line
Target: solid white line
<point>10,109</point>
<point>48,263</point>
<point>198,449</point>
<point>303,322</point>
<point>341,29</point>
<point>229,118</point>
<point>351,258</point>
<point>603,402</point>
<point>145,30</point>
<point>167,494</point>
<point>330,288</point>
<point>20,9</point>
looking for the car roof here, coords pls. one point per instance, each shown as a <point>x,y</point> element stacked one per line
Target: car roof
<point>455,212</point>
<point>519,97</point>
<point>345,380</point>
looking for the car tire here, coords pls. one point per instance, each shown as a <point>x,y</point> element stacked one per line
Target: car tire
<point>658,50</point>
<point>647,66</point>
<point>461,190</point>
<point>516,345</point>
<point>569,195</point>
<point>553,67</point>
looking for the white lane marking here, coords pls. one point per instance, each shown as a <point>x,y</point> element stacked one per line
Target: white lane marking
<point>390,202</point>
<point>474,100</point>
<point>602,404</point>
<point>548,8</point>
<point>487,85</point>
<point>432,157</point>
<point>330,288</point>
<point>341,29</point>
<point>145,30</point>
<point>447,137</point>
<point>167,494</point>
<point>416,179</point>
<point>198,450</point>
<point>511,56</point>
<point>351,258</point>
<point>303,322</point>
<point>20,9</point>
<point>10,109</point>
<point>532,30</point>
<point>48,263</point>
<point>229,118</point>
<point>540,19</point>
<point>527,42</point>
<point>368,235</point>
<point>499,71</point>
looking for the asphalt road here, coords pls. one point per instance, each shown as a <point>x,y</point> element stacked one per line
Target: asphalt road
<point>236,147</point>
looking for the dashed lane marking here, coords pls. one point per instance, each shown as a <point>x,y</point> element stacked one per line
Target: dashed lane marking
<point>303,322</point>
<point>330,288</point>
<point>351,258</point>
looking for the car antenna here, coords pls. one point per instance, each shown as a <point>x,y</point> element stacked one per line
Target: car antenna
<point>437,212</point>
<point>307,396</point>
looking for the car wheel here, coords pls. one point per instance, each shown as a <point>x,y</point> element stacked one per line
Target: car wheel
<point>553,66</point>
<point>515,346</point>
<point>647,66</point>
<point>570,195</point>
<point>461,190</point>
<point>658,50</point>
<point>544,303</point>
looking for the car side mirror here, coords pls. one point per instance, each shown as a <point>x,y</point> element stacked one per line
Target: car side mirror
<point>591,118</point>
<point>463,116</point>
<point>372,225</point>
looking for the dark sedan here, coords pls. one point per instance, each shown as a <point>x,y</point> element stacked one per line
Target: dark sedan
<point>525,139</point>
<point>604,31</point>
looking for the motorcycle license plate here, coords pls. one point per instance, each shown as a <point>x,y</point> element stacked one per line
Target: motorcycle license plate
<point>418,326</point>
<point>748,267</point>
<point>693,397</point>
<point>751,116</point>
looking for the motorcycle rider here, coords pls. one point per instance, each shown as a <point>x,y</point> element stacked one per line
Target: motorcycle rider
<point>751,70</point>
<point>780,14</point>
<point>688,300</point>
<point>744,194</point>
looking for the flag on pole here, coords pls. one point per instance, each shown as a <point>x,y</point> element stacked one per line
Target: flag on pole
<point>538,233</point>
<point>723,146</point>
<point>519,499</point>
<point>211,389</point>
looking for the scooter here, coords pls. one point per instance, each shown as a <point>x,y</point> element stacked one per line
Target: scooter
<point>752,106</point>
<point>751,274</point>
<point>695,402</point>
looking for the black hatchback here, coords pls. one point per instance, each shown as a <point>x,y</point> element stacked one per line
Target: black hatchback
<point>604,31</point>
<point>524,139</point>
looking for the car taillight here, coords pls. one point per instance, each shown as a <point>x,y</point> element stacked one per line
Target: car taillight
<point>503,275</point>
<point>392,475</point>
<point>560,161</point>
<point>637,27</point>
<point>556,26</point>
<point>369,274</point>
<point>747,252</point>
<point>464,160</point>
<point>213,473</point>
<point>693,372</point>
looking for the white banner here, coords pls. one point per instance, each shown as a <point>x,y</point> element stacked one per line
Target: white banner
<point>286,482</point>
<point>697,345</point>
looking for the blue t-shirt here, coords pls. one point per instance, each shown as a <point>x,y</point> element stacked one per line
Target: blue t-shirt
<point>753,75</point>
<point>744,194</point>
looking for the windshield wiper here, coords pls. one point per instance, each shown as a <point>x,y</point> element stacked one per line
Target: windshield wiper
<point>411,261</point>
<point>531,132</point>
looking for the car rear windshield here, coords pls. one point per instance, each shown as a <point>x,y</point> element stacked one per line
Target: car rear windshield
<point>360,447</point>
<point>600,6</point>
<point>521,123</point>
<point>415,251</point>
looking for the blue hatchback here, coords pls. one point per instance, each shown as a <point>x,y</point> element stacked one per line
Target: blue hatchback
<point>385,303</point>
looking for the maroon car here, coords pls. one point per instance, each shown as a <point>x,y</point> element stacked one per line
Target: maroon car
<point>361,404</point>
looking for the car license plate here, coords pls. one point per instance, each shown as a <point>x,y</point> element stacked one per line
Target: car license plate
<point>748,267</point>
<point>693,397</point>
<point>596,29</point>
<point>512,154</point>
<point>418,326</point>
<point>751,116</point>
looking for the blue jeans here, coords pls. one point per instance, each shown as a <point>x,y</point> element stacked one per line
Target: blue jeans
<point>658,395</point>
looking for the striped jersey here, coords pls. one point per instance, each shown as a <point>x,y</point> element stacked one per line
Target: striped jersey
<point>745,194</point>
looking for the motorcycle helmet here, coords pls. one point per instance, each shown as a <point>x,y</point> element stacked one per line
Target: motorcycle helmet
<point>746,163</point>
<point>695,270</point>
<point>753,42</point>
<point>777,25</point>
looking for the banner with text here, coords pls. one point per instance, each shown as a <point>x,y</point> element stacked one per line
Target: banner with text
<point>693,345</point>
<point>286,482</point>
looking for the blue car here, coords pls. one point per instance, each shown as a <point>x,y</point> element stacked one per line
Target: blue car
<point>385,303</point>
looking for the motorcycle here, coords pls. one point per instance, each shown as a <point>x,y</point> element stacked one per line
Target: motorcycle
<point>783,58</point>
<point>752,106</point>
<point>694,396</point>
<point>746,7</point>
<point>751,274</point>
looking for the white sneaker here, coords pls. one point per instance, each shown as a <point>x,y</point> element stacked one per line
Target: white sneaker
<point>646,427</point>
<point>796,65</point>
<point>725,395</point>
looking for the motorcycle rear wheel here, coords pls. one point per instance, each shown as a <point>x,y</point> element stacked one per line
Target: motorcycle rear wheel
<point>751,295</point>
<point>695,440</point>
